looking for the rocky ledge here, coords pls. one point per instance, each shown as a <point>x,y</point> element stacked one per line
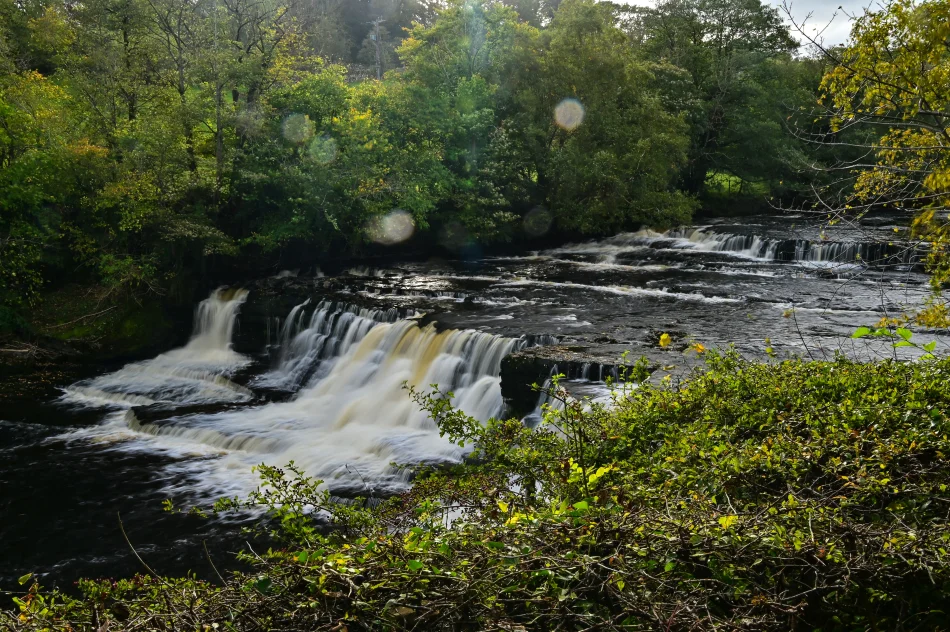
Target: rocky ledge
<point>521,370</point>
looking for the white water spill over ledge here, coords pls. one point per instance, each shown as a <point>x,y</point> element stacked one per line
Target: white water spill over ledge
<point>350,420</point>
<point>702,239</point>
<point>194,374</point>
<point>342,366</point>
<point>304,344</point>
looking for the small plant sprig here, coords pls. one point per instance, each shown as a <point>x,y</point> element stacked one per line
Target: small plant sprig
<point>901,337</point>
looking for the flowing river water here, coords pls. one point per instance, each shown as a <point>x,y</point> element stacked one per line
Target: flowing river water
<point>310,367</point>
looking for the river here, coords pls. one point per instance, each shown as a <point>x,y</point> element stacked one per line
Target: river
<point>309,367</point>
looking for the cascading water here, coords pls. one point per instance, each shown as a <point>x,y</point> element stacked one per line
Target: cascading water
<point>752,246</point>
<point>347,425</point>
<point>352,423</point>
<point>703,239</point>
<point>324,386</point>
<point>547,402</point>
<point>329,332</point>
<point>579,391</point>
<point>197,373</point>
<point>686,239</point>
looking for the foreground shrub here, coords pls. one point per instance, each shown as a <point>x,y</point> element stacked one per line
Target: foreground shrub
<point>800,495</point>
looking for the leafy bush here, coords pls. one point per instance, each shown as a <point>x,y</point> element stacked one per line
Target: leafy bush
<point>799,495</point>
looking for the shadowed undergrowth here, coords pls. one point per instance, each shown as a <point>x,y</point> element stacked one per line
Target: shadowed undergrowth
<point>800,495</point>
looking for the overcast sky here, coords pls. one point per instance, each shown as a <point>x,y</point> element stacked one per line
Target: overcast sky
<point>823,11</point>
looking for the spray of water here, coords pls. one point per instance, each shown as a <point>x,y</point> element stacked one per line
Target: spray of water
<point>197,373</point>
<point>349,423</point>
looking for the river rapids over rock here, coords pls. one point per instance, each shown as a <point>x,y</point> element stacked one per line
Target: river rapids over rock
<point>311,366</point>
<point>348,423</point>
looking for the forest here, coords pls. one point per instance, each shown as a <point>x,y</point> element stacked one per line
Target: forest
<point>149,147</point>
<point>508,315</point>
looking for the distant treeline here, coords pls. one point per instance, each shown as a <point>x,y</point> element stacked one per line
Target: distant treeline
<point>143,140</point>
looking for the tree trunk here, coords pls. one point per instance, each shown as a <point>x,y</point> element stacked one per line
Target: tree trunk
<point>131,99</point>
<point>218,139</point>
<point>189,134</point>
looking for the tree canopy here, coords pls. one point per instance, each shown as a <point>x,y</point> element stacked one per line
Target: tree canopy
<point>885,100</point>
<point>143,140</point>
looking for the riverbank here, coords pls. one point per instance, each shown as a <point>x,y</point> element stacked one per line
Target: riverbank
<point>307,367</point>
<point>88,323</point>
<point>754,496</point>
<point>80,325</point>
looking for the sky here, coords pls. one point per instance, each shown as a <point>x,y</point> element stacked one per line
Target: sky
<point>822,10</point>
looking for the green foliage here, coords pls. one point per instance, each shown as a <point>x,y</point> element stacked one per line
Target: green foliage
<point>621,164</point>
<point>751,496</point>
<point>739,85</point>
<point>892,82</point>
<point>901,336</point>
<point>140,139</point>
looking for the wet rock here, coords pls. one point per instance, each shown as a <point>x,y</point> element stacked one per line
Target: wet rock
<point>523,369</point>
<point>679,340</point>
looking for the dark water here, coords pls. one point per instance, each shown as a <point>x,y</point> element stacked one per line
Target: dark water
<point>322,384</point>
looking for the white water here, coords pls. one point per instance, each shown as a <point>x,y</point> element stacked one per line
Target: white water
<point>755,247</point>
<point>622,291</point>
<point>551,402</point>
<point>329,332</point>
<point>197,373</point>
<point>750,246</point>
<point>347,426</point>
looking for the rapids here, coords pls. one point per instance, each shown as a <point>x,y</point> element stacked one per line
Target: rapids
<point>311,368</point>
<point>196,373</point>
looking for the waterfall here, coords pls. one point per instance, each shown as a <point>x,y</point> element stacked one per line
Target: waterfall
<point>702,239</point>
<point>304,343</point>
<point>546,403</point>
<point>214,325</point>
<point>197,373</point>
<point>349,418</point>
<point>355,418</point>
<point>752,246</point>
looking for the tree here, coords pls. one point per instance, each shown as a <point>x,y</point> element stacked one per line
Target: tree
<point>463,67</point>
<point>887,97</point>
<point>615,164</point>
<point>33,148</point>
<point>379,50</point>
<point>730,49</point>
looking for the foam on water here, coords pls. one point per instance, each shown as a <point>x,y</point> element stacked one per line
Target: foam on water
<point>366,271</point>
<point>349,418</point>
<point>623,291</point>
<point>353,419</point>
<point>197,373</point>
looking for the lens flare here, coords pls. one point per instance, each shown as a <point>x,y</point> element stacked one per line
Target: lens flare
<point>537,222</point>
<point>569,114</point>
<point>298,128</point>
<point>322,150</point>
<point>393,228</point>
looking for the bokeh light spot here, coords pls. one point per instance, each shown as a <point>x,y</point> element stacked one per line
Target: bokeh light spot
<point>537,222</point>
<point>392,228</point>
<point>322,150</point>
<point>569,114</point>
<point>298,128</point>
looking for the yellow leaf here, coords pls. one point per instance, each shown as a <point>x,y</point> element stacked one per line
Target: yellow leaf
<point>665,341</point>
<point>727,521</point>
